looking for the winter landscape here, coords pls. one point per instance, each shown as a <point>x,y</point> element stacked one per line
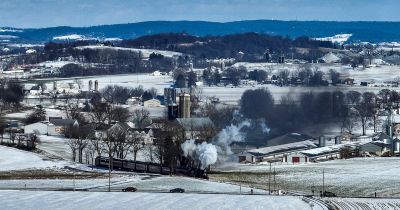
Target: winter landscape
<point>124,105</point>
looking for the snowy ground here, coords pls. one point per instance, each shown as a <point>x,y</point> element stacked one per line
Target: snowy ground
<point>55,146</point>
<point>378,74</point>
<point>143,182</point>
<point>145,52</point>
<point>49,112</point>
<point>15,159</point>
<point>353,177</point>
<point>127,80</point>
<point>102,200</point>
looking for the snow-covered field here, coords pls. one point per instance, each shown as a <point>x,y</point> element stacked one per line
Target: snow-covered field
<point>12,159</point>
<point>50,112</point>
<point>119,200</point>
<point>352,177</point>
<point>145,52</point>
<point>147,81</point>
<point>143,182</point>
<point>378,74</point>
<point>15,159</point>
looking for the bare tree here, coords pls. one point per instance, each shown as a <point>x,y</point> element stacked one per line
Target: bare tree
<point>33,141</point>
<point>73,145</point>
<point>78,140</point>
<point>2,128</point>
<point>349,119</point>
<point>72,111</point>
<point>97,146</point>
<point>153,91</point>
<point>78,82</point>
<point>207,132</point>
<point>141,118</point>
<point>99,112</point>
<point>366,110</point>
<point>135,140</point>
<point>120,114</point>
<point>353,97</point>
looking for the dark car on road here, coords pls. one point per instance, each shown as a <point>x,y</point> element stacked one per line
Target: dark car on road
<point>177,190</point>
<point>129,189</point>
<point>329,194</point>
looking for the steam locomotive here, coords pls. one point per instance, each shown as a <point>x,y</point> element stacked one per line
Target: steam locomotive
<point>149,167</point>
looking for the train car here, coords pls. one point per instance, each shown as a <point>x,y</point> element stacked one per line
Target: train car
<point>147,167</point>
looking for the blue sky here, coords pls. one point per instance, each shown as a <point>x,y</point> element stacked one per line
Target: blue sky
<point>44,13</point>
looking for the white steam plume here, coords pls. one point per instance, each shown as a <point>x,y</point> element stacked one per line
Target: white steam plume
<point>205,153</point>
<point>219,150</point>
<point>189,148</point>
<point>264,127</point>
<point>230,134</point>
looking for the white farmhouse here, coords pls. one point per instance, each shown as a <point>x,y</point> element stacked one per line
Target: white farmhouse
<point>152,103</point>
<point>54,127</point>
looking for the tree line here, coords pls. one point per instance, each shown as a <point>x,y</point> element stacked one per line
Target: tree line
<point>350,109</point>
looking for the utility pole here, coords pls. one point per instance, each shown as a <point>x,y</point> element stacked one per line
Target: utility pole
<point>269,179</point>
<point>74,180</point>
<point>323,182</point>
<point>109,174</point>
<point>240,181</point>
<point>274,181</point>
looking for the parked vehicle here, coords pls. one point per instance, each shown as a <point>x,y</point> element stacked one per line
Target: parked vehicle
<point>129,189</point>
<point>177,190</point>
<point>329,194</point>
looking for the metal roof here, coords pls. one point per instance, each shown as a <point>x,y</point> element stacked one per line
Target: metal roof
<point>197,123</point>
<point>284,148</point>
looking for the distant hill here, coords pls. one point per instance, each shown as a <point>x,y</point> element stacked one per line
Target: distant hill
<point>362,31</point>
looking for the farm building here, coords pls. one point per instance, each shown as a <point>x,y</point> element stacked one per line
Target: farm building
<point>54,127</point>
<point>147,134</point>
<point>374,148</point>
<point>296,157</point>
<point>152,103</point>
<point>102,130</point>
<point>278,152</point>
<point>289,138</point>
<point>245,157</point>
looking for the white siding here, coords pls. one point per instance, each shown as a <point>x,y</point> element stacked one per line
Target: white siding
<point>36,127</point>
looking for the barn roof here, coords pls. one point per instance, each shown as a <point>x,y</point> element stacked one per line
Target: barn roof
<point>197,123</point>
<point>321,151</point>
<point>62,122</point>
<point>288,138</point>
<point>279,149</point>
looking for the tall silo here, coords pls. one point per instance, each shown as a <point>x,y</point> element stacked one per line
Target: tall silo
<point>322,141</point>
<point>55,85</point>
<point>90,85</point>
<point>184,105</point>
<point>338,140</point>
<point>96,85</point>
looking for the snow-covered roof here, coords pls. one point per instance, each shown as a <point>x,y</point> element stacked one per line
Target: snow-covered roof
<point>197,123</point>
<point>339,38</point>
<point>320,151</point>
<point>266,151</point>
<point>288,138</point>
<point>330,58</point>
<point>69,37</point>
